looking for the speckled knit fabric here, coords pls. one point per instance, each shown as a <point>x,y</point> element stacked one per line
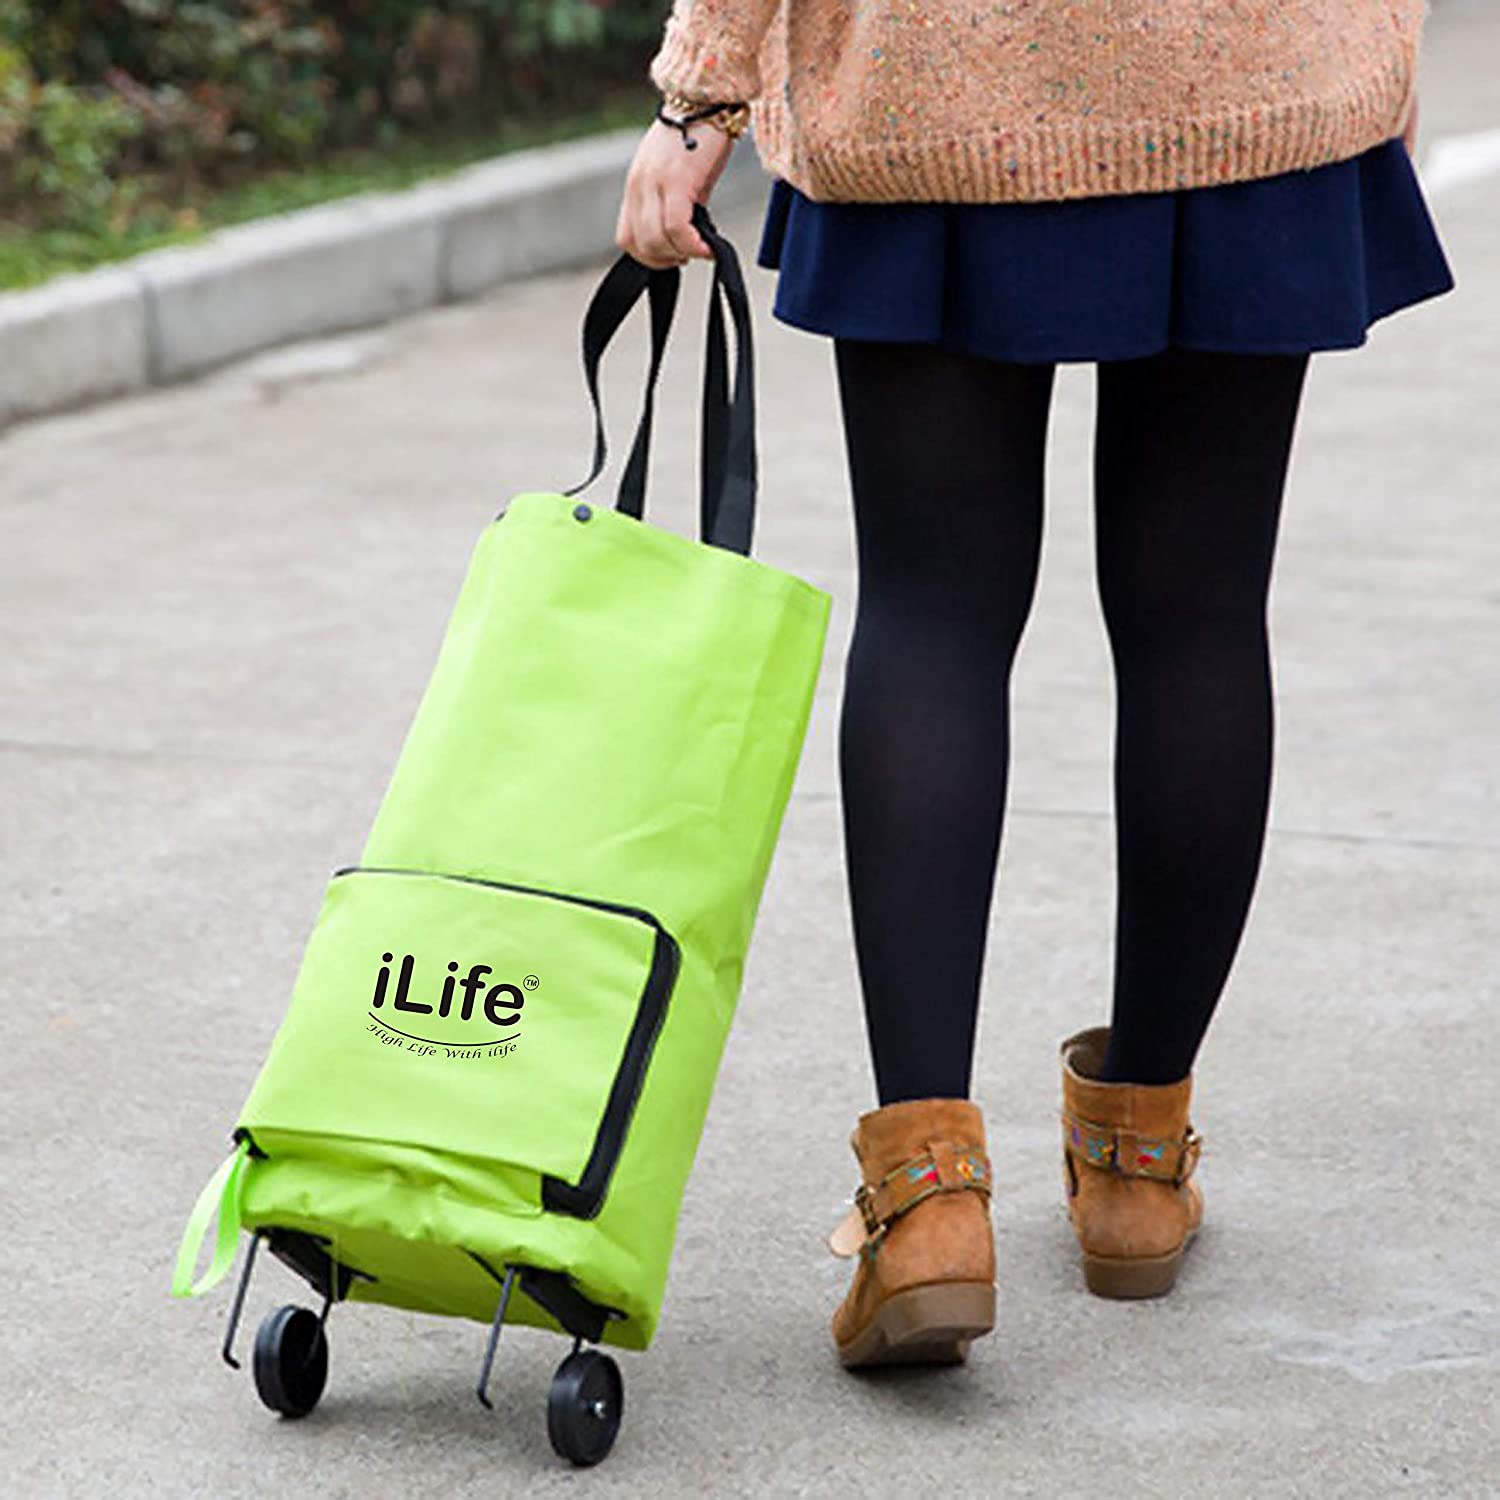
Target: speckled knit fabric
<point>1008,100</point>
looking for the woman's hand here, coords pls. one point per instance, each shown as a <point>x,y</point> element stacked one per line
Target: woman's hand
<point>664,182</point>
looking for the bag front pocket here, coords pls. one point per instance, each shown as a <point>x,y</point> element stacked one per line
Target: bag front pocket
<point>498,1021</point>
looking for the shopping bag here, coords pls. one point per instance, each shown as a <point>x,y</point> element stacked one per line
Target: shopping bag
<point>505,1030</point>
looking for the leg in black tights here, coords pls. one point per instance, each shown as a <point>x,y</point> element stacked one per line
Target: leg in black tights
<point>946,459</point>
<point>1190,458</point>
<point>946,456</point>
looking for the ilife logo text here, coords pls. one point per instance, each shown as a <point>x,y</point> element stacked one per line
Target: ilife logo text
<point>502,1002</point>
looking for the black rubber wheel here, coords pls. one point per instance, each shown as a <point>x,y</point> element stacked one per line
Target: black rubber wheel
<point>584,1406</point>
<point>291,1361</point>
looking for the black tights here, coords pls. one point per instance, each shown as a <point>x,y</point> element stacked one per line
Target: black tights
<point>946,457</point>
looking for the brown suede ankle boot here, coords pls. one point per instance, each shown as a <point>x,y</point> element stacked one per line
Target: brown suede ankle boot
<point>1128,1152</point>
<point>924,1282</point>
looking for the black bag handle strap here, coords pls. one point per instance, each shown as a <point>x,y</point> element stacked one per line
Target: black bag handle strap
<point>727,449</point>
<point>611,304</point>
<point>727,455</point>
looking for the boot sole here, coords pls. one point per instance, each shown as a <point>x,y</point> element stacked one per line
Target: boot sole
<point>1123,1280</point>
<point>924,1325</point>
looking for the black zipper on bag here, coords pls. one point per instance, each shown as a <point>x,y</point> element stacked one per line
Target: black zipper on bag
<point>584,1199</point>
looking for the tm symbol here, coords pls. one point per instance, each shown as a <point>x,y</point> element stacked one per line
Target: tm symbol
<point>531,981</point>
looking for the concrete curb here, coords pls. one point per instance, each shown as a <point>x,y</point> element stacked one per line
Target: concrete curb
<point>175,313</point>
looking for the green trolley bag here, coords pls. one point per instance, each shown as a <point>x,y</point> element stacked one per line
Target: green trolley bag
<point>489,1085</point>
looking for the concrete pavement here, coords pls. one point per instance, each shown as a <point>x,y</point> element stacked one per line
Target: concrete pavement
<point>219,604</point>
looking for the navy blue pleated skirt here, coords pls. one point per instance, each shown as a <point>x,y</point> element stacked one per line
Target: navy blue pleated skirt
<point>1303,260</point>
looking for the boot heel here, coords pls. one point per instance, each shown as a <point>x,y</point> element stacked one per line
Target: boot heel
<point>1152,1276</point>
<point>926,1325</point>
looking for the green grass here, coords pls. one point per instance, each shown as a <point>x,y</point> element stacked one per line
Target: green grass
<point>31,256</point>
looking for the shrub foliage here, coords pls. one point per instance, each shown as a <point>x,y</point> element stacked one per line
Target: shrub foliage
<point>97,96</point>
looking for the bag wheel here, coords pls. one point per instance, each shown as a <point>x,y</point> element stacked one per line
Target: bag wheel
<point>584,1406</point>
<point>291,1360</point>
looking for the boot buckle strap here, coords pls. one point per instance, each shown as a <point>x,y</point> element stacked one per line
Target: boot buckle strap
<point>942,1168</point>
<point>1128,1153</point>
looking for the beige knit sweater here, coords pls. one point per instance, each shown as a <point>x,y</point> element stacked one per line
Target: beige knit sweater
<point>1004,100</point>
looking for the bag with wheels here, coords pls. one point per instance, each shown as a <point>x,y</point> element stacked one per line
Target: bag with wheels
<point>488,1088</point>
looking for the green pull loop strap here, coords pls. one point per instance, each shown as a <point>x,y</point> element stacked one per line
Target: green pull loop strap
<point>221,1196</point>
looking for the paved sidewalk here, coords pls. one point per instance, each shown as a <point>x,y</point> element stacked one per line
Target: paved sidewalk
<point>219,605</point>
